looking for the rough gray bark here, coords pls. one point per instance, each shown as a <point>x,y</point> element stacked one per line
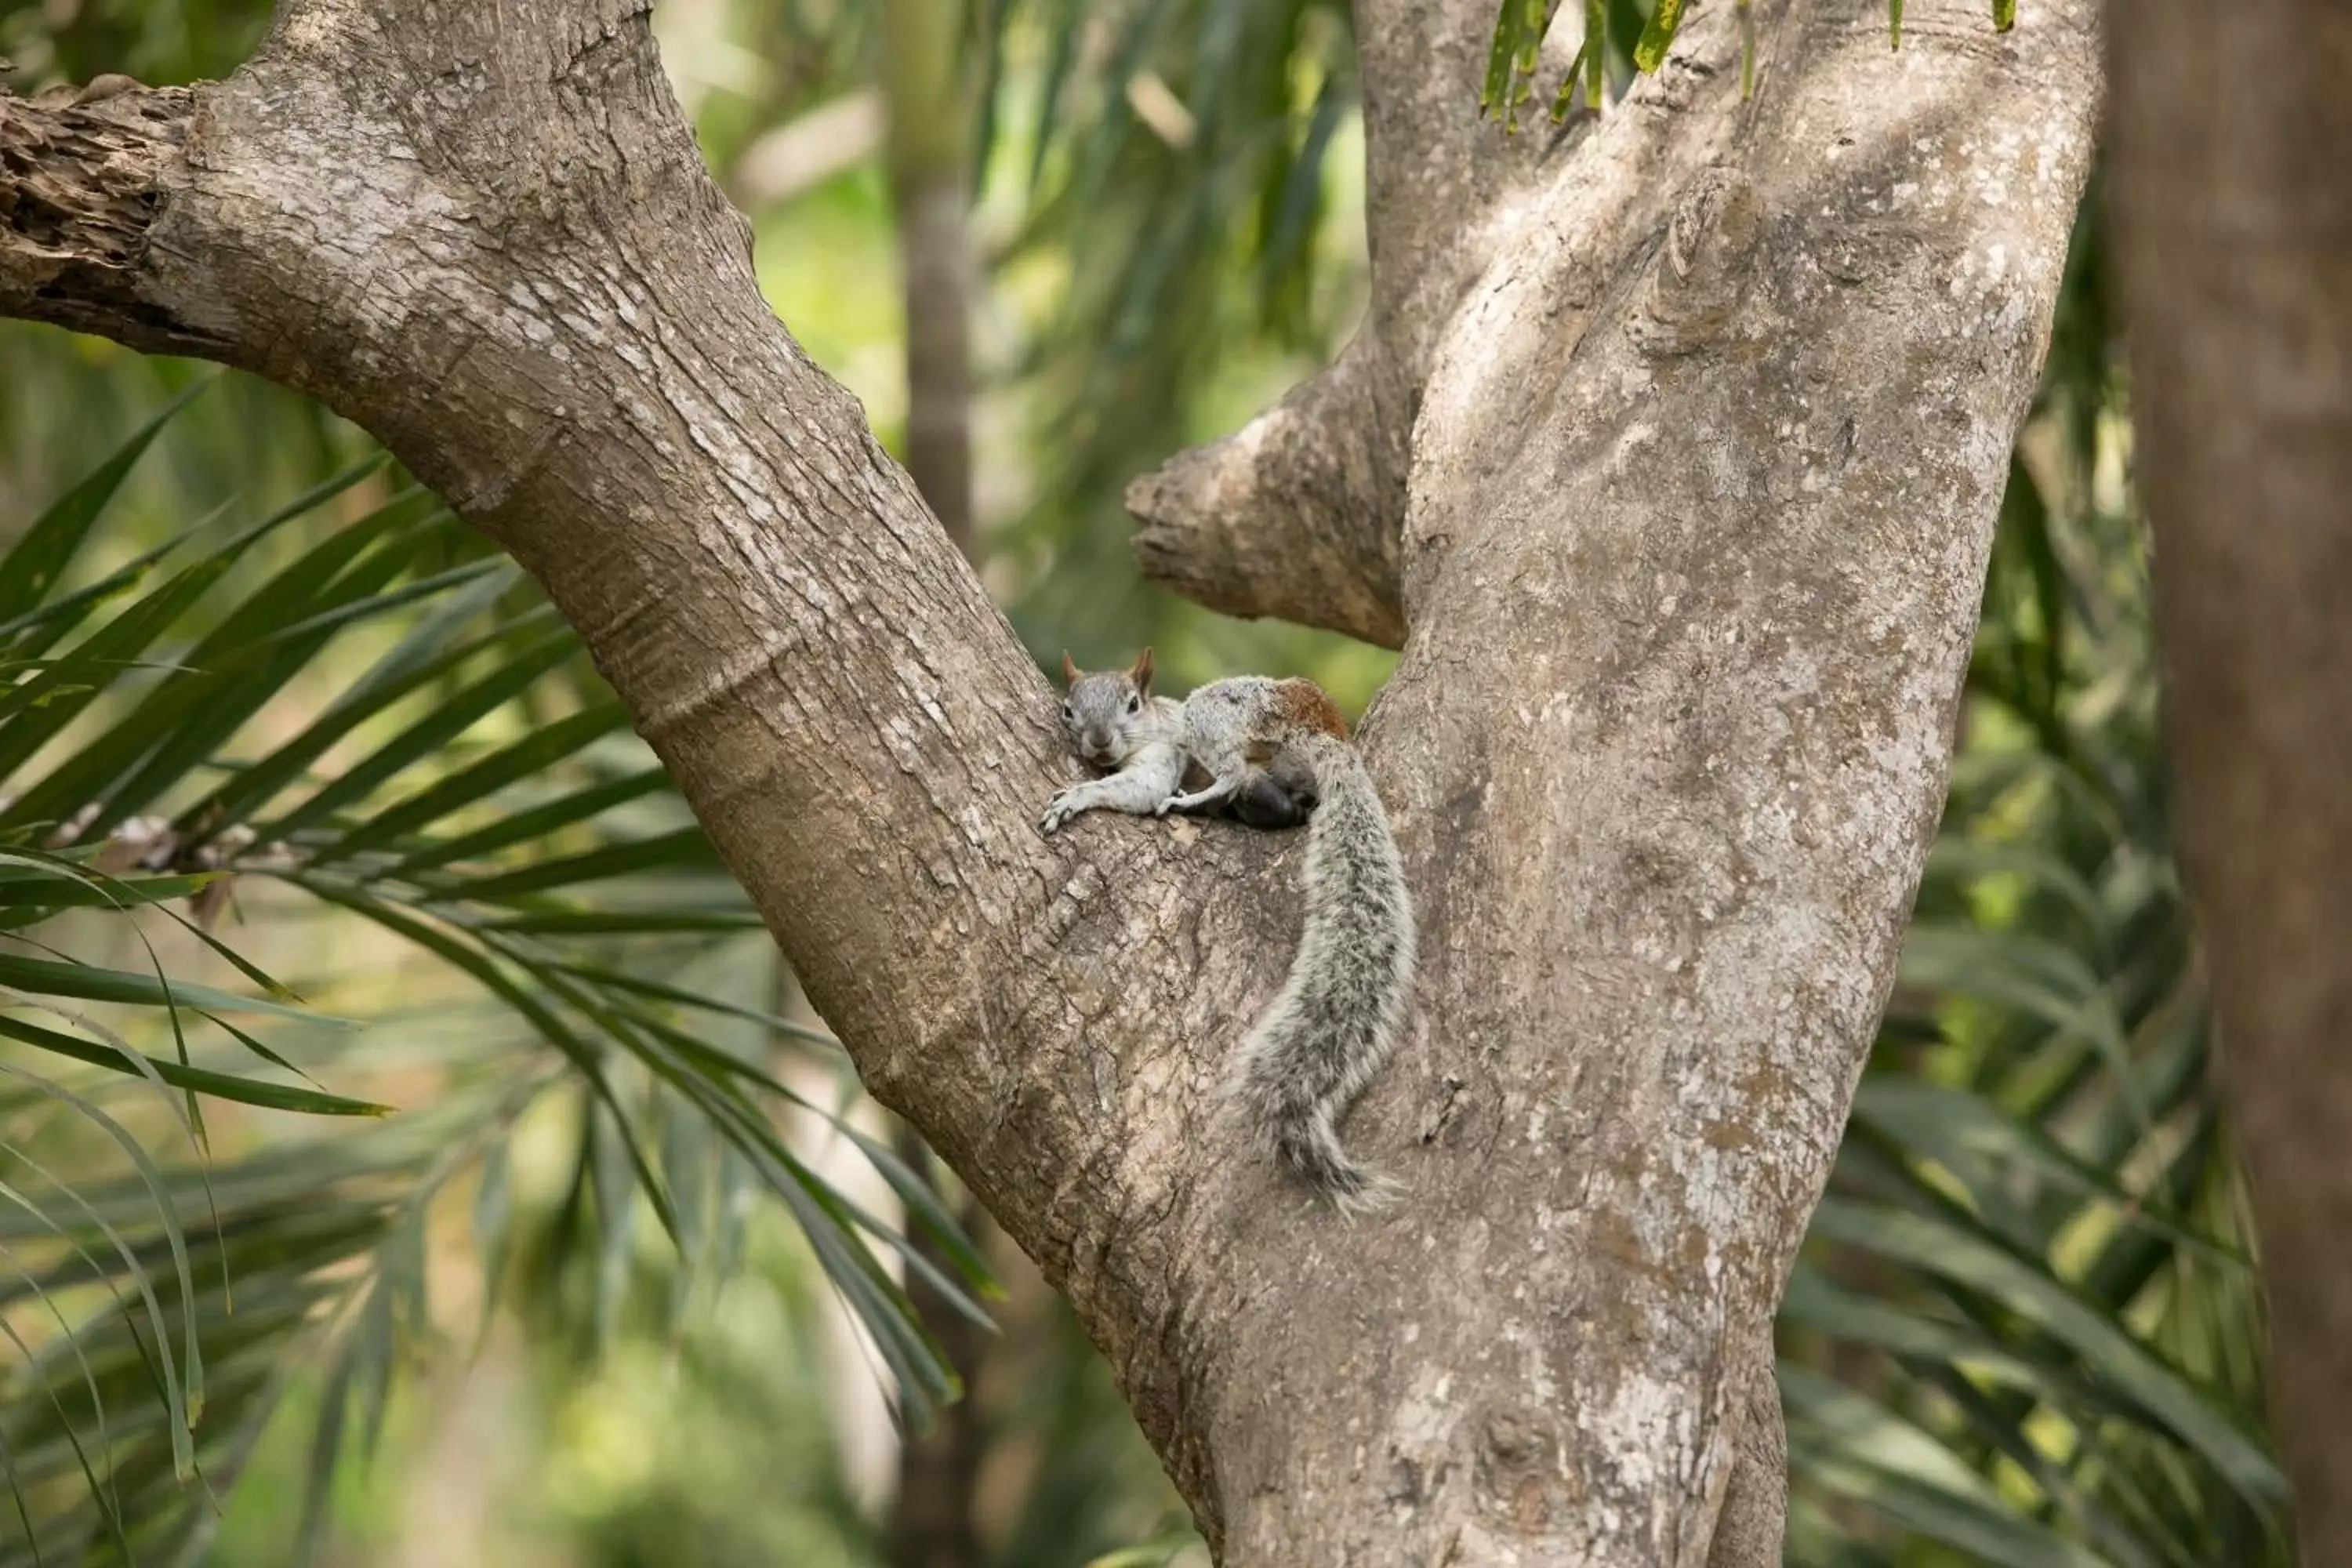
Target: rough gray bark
<point>2234,224</point>
<point>1672,448</point>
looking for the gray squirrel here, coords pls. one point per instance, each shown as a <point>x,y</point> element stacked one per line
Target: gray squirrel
<point>1115,722</point>
<point>1274,751</point>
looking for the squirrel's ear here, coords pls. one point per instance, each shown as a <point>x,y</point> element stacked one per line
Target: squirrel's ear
<point>1069,670</point>
<point>1140,672</point>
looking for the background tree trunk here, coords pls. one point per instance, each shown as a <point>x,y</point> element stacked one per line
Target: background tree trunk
<point>926,101</point>
<point>1671,448</point>
<point>936,1522</point>
<point>2234,223</point>
<point>930,158</point>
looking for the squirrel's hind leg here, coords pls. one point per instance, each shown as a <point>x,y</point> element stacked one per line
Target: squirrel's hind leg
<point>1219,791</point>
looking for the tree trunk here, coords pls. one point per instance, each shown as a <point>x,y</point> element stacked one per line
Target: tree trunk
<point>2234,230</point>
<point>1670,450</point>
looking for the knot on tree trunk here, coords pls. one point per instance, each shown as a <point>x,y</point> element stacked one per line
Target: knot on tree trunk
<point>1699,278</point>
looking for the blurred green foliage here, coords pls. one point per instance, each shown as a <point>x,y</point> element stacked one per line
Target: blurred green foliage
<point>465,799</point>
<point>190,40</point>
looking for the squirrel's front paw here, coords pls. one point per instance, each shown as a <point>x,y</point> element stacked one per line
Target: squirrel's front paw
<point>1057,812</point>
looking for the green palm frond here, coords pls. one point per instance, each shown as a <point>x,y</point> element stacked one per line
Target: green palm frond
<point>173,751</point>
<point>1640,32</point>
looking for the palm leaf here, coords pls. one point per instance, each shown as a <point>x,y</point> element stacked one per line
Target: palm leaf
<point>471,795</point>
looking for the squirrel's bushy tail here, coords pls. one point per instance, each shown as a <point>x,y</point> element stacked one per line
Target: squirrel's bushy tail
<point>1337,1015</point>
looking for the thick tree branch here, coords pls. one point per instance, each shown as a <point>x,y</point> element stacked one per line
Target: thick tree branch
<point>1705,446</point>
<point>1301,515</point>
<point>493,244</point>
<point>1697,522</point>
<point>81,176</point>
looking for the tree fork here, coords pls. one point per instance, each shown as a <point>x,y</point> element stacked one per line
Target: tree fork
<point>1686,434</point>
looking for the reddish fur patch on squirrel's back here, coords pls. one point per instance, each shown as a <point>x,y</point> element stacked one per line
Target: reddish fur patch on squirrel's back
<point>1304,703</point>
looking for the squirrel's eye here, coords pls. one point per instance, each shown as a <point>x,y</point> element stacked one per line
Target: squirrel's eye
<point>1068,713</point>
<point>1135,704</point>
